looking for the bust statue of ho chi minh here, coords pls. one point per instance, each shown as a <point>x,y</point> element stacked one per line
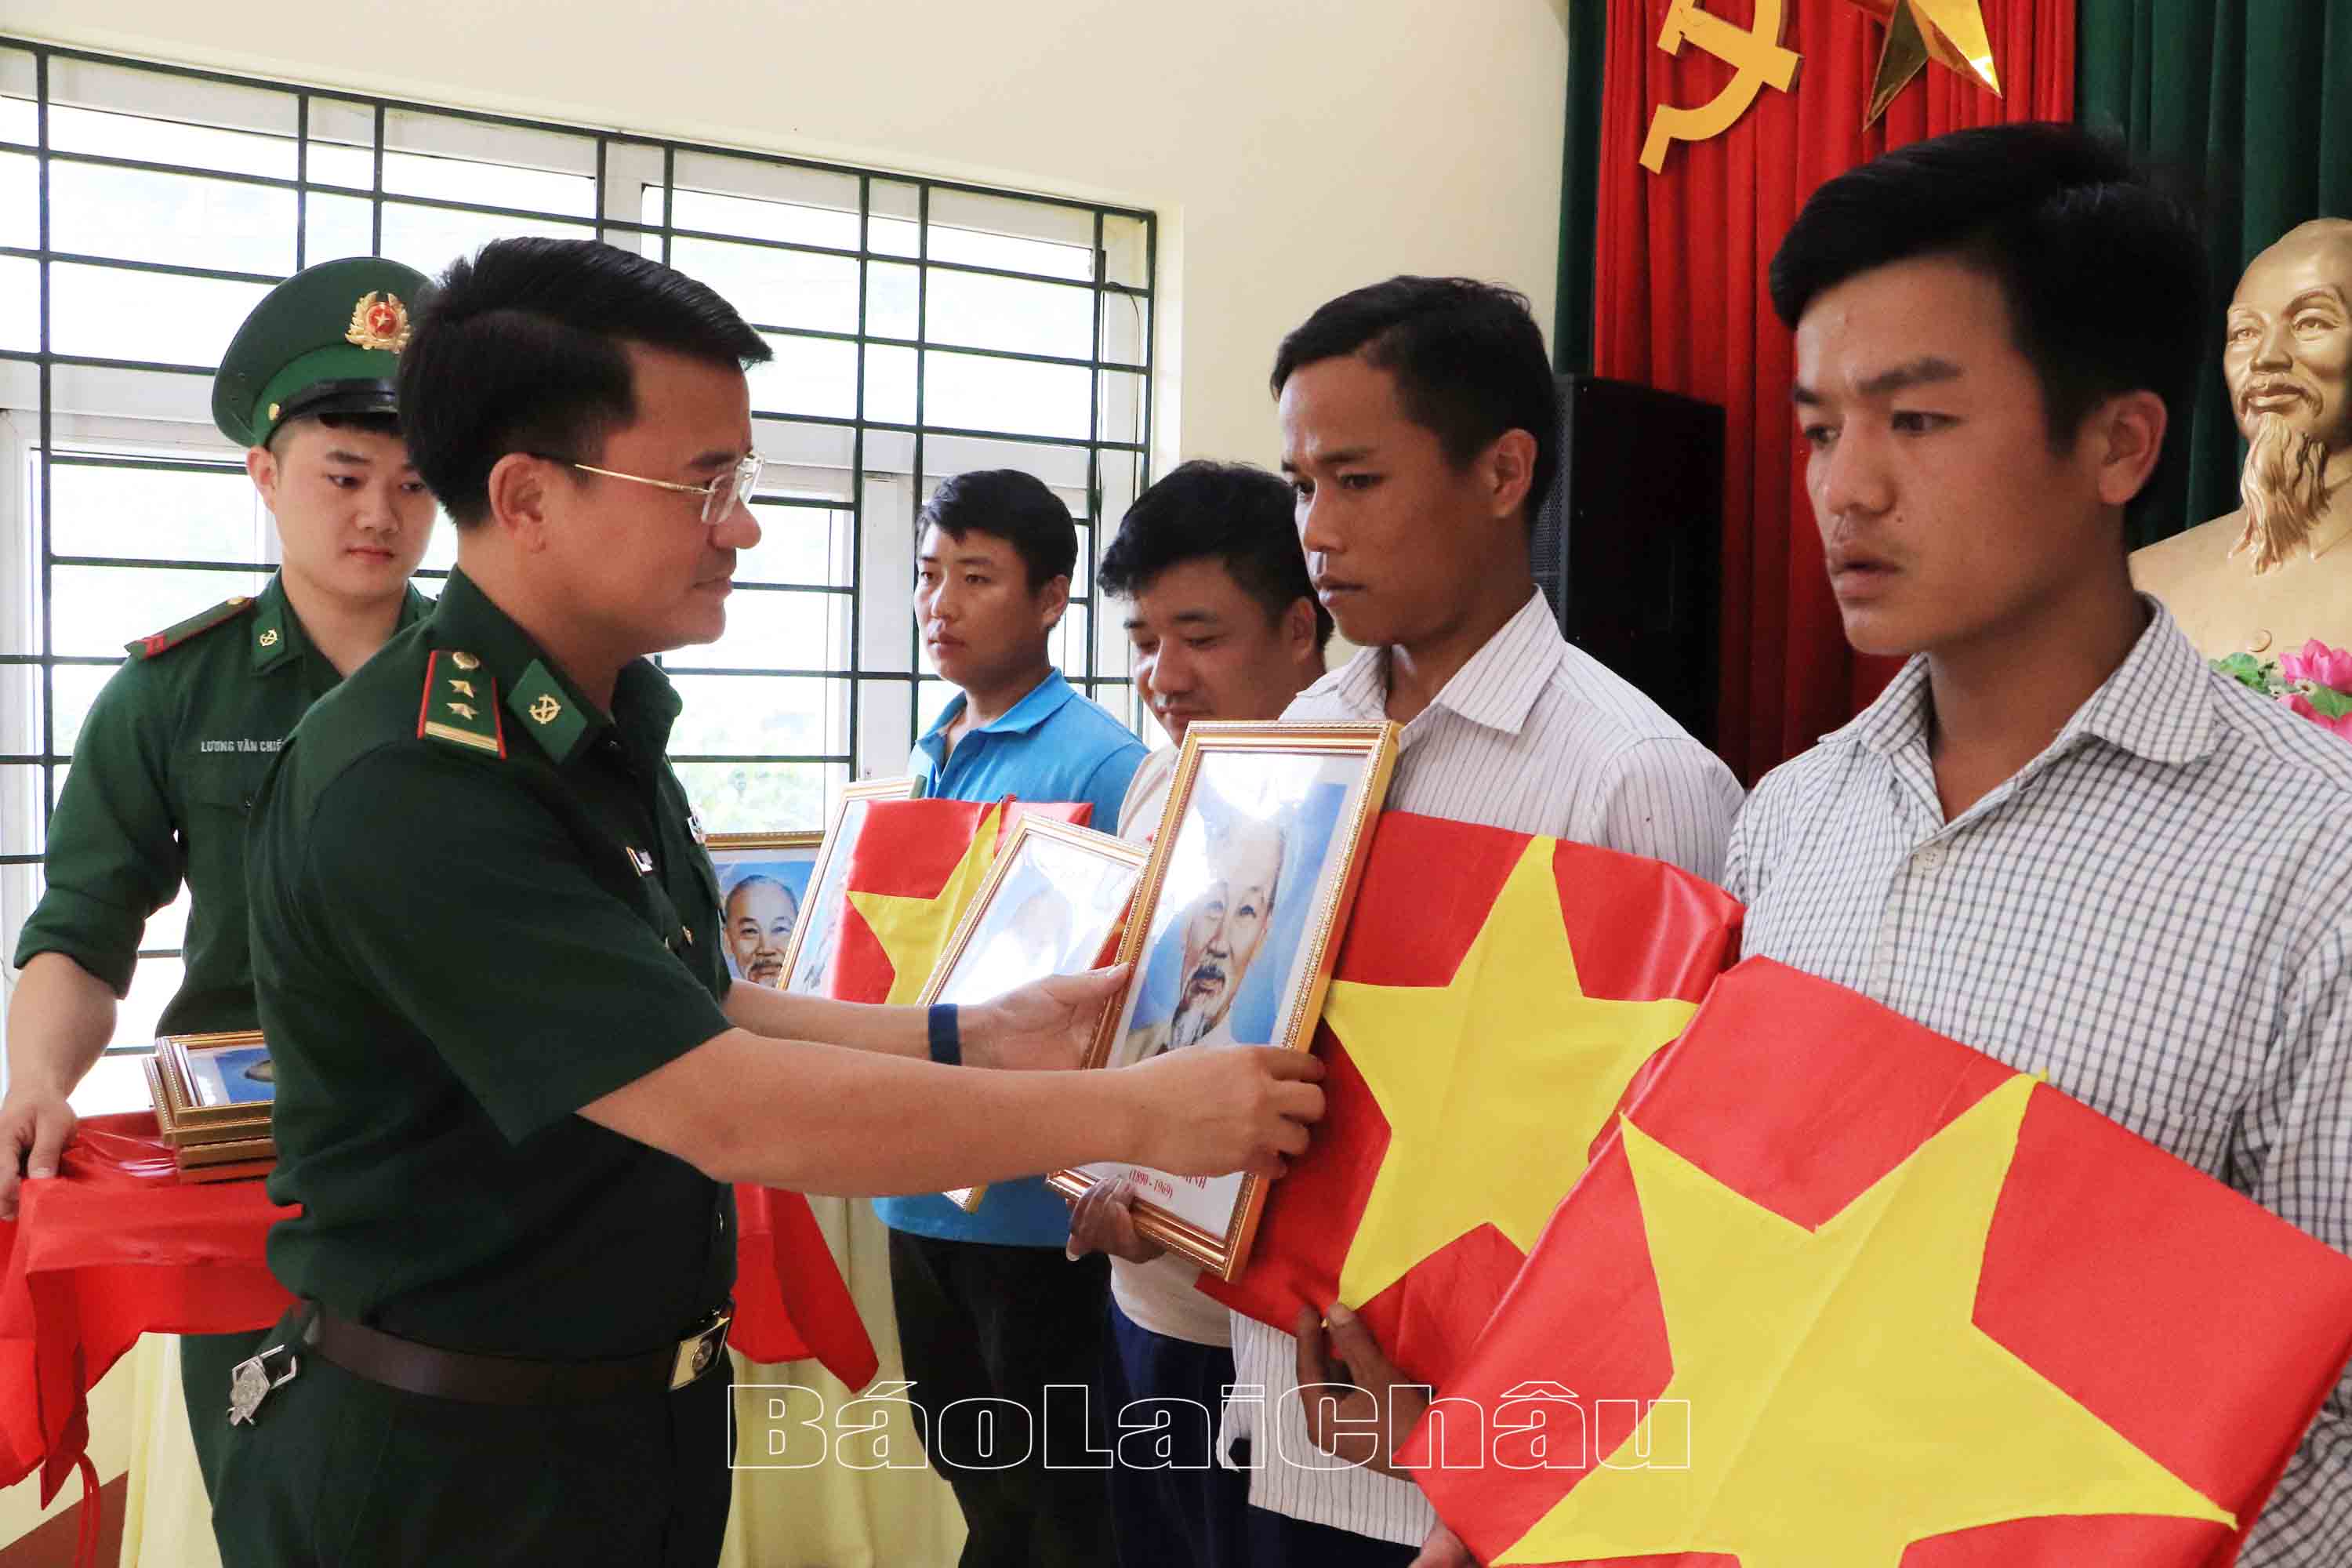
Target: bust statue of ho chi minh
<point>2277,570</point>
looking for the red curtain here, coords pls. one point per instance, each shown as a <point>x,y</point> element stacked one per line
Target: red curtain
<point>1679,302</point>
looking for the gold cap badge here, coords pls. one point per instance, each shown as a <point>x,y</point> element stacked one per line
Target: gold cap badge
<point>379,321</point>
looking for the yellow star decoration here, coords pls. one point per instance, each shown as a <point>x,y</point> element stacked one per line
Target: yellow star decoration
<point>1842,1403</point>
<point>913,930</point>
<point>1949,32</point>
<point>1510,1057</point>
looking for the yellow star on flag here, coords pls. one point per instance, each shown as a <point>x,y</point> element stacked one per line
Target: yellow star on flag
<point>1510,1055</point>
<point>1840,1400</point>
<point>1949,32</point>
<point>913,930</point>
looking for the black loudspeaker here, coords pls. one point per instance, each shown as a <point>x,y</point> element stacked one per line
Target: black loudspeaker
<point>1627,547</point>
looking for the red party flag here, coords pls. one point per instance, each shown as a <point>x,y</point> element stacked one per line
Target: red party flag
<point>1495,993</point>
<point>913,868</point>
<point>1839,1290</point>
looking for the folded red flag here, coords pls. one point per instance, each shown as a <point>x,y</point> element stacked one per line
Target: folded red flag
<point>1495,993</point>
<point>912,869</point>
<point>1839,1290</point>
<point>111,1249</point>
<point>791,1301</point>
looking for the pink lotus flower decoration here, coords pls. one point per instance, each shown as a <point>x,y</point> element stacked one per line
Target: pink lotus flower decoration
<point>2320,664</point>
<point>2320,679</point>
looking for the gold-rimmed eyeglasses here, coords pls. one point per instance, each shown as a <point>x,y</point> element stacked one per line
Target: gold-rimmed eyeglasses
<point>735,486</point>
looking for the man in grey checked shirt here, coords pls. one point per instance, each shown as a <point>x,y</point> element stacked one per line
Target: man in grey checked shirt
<point>2057,837</point>
<point>1420,429</point>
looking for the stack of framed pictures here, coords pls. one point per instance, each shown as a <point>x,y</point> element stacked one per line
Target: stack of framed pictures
<point>213,1096</point>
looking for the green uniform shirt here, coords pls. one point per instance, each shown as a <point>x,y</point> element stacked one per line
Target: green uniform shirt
<point>478,904</point>
<point>164,773</point>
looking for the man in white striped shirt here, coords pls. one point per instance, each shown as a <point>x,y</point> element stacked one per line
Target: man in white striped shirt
<point>1420,431</point>
<point>2058,837</point>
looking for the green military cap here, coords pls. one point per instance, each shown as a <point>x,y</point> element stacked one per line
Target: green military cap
<point>326,340</point>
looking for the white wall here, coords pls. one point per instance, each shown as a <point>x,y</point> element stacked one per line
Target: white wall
<point>1293,147</point>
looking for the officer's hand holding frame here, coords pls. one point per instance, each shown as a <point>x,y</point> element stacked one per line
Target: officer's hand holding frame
<point>1055,898</point>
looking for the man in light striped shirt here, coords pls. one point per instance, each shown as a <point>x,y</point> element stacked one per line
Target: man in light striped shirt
<point>1420,431</point>
<point>2058,837</point>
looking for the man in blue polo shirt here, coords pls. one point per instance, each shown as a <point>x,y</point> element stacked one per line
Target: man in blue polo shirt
<point>988,1306</point>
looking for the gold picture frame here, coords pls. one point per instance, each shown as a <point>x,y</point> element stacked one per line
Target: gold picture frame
<point>1259,854</point>
<point>1043,859</point>
<point>193,1154</point>
<point>755,951</point>
<point>821,911</point>
<point>205,1088</point>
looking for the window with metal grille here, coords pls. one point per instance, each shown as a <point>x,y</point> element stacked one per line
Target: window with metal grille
<point>922,328</point>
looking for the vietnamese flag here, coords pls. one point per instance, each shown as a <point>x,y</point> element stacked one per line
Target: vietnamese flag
<point>1840,1290</point>
<point>1495,995</point>
<point>913,870</point>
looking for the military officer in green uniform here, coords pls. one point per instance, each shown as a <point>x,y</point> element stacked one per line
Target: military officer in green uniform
<point>176,744</point>
<point>514,1082</point>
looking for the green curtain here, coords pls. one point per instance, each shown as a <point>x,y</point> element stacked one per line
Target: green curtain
<point>2255,97</point>
<point>1579,186</point>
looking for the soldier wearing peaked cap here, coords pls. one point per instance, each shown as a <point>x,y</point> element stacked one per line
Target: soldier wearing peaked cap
<point>515,1083</point>
<point>167,762</point>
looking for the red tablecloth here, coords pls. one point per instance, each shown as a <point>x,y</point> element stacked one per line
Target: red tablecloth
<point>115,1247</point>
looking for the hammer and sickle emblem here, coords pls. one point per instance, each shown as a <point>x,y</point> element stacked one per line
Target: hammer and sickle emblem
<point>1754,53</point>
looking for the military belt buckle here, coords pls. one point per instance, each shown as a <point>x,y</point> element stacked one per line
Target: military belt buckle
<point>697,1353</point>
<point>250,1383</point>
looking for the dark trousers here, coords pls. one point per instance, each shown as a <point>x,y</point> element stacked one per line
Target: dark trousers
<point>993,1327</point>
<point>205,1363</point>
<point>340,1472</point>
<point>1278,1540</point>
<point>1171,1504</point>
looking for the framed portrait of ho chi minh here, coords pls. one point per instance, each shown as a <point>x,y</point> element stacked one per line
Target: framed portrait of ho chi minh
<point>810,956</point>
<point>1056,902</point>
<point>763,885</point>
<point>1234,930</point>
